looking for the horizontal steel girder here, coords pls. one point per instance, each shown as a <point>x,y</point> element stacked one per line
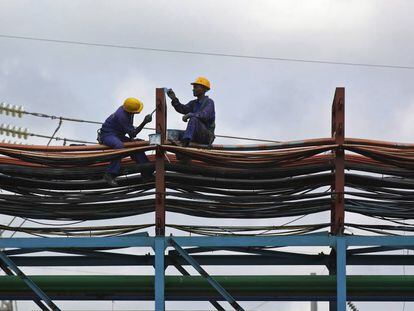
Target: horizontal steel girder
<point>320,239</point>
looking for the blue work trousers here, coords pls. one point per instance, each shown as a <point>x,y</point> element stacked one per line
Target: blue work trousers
<point>118,143</point>
<point>197,132</point>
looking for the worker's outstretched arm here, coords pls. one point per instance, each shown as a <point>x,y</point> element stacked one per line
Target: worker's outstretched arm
<point>147,119</point>
<point>180,108</point>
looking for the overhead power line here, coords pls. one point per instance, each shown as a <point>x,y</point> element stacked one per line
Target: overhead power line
<point>14,110</point>
<point>254,57</point>
<point>22,132</point>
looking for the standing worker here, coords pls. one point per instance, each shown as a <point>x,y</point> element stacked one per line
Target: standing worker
<point>112,134</point>
<point>199,113</point>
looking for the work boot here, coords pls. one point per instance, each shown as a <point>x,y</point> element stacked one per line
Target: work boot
<point>110,180</point>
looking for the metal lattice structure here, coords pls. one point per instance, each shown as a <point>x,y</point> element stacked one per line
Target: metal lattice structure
<point>335,174</point>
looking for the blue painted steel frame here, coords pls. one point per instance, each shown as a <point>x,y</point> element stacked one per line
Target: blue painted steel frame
<point>204,274</point>
<point>341,273</point>
<point>43,298</point>
<point>159,249</point>
<point>159,244</point>
<point>139,241</point>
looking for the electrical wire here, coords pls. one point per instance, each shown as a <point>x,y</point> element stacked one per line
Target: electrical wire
<point>47,183</point>
<point>14,231</point>
<point>57,129</point>
<point>238,56</point>
<point>276,180</point>
<point>45,231</point>
<point>61,139</point>
<point>43,115</point>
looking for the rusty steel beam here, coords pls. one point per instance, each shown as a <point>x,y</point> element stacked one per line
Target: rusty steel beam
<point>161,128</point>
<point>338,185</point>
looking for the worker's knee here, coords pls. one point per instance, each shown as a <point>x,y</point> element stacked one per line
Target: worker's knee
<point>113,142</point>
<point>118,145</point>
<point>193,121</point>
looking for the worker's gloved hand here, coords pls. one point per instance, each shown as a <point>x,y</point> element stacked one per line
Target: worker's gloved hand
<point>186,117</point>
<point>148,118</point>
<point>171,94</point>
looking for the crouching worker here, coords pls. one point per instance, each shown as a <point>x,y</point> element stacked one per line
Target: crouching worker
<point>199,113</point>
<point>112,134</point>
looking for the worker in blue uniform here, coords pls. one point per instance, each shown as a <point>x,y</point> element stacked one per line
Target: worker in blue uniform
<point>112,134</point>
<point>199,113</point>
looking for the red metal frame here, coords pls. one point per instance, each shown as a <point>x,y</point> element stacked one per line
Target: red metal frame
<point>338,185</point>
<point>161,128</point>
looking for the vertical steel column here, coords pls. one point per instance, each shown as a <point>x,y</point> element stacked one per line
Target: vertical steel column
<point>341,274</point>
<point>159,249</point>
<point>338,185</point>
<point>161,128</point>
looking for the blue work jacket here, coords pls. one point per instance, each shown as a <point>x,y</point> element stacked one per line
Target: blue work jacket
<point>119,123</point>
<point>202,108</point>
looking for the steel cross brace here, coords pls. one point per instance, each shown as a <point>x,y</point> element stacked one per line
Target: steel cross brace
<point>10,273</point>
<point>39,293</point>
<point>184,272</point>
<point>204,274</point>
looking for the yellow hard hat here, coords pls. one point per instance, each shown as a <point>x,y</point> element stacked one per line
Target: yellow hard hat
<point>202,81</point>
<point>133,105</point>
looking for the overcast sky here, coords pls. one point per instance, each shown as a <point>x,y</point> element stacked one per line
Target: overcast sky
<point>278,100</point>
